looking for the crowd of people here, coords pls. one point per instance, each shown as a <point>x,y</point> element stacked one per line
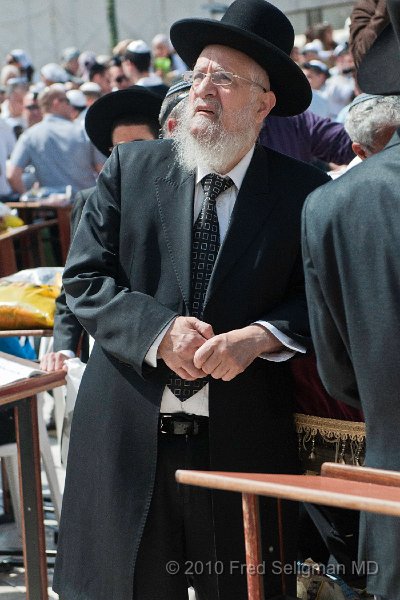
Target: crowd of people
<point>186,270</point>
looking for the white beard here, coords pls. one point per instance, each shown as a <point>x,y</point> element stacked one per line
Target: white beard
<point>213,147</point>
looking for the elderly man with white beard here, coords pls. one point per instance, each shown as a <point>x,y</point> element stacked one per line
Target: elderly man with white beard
<point>186,270</point>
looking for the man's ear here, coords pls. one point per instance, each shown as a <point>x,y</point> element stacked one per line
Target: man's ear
<point>171,124</point>
<point>359,150</point>
<point>267,103</point>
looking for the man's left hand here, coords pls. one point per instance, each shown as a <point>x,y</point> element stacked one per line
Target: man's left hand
<point>226,355</point>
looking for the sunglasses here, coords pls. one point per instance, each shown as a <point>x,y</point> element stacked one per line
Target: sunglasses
<point>121,78</point>
<point>32,107</point>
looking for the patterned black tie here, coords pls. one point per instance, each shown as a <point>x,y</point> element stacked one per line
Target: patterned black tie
<point>205,247</point>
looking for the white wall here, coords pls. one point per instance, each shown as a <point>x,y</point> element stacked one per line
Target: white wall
<point>45,27</point>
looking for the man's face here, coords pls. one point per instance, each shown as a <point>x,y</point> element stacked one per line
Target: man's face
<point>118,79</point>
<point>31,112</point>
<point>315,78</point>
<point>130,133</point>
<point>223,104</point>
<point>103,80</point>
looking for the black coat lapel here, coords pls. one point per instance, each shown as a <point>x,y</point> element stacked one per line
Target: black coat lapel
<point>175,202</point>
<point>255,200</point>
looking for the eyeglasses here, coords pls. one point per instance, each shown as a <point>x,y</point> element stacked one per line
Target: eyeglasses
<point>223,78</point>
<point>121,78</point>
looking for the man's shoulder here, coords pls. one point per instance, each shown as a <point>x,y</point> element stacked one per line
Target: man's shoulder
<point>360,191</point>
<point>148,152</point>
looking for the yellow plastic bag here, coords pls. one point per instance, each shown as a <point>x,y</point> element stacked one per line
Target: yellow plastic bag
<point>27,306</point>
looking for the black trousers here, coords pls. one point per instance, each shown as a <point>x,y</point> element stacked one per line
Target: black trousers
<point>177,548</point>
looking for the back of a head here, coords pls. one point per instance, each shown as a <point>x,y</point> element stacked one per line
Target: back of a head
<point>138,53</point>
<point>172,105</point>
<point>97,69</point>
<point>46,96</point>
<point>369,117</point>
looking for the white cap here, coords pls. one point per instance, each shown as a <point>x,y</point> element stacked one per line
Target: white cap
<point>318,64</point>
<point>138,47</point>
<point>103,59</point>
<point>53,72</point>
<point>311,47</point>
<point>22,57</point>
<point>90,87</point>
<point>77,98</point>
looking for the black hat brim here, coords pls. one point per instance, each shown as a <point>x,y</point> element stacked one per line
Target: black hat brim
<point>102,115</point>
<point>293,93</point>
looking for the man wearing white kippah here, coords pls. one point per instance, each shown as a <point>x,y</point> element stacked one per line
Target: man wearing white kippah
<point>137,67</point>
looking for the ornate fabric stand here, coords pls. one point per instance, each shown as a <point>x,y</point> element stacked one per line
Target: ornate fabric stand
<point>321,440</point>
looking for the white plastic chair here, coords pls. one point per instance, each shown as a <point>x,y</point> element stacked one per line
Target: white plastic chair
<point>8,452</point>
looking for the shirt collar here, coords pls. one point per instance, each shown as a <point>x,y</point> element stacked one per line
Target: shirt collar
<point>236,174</point>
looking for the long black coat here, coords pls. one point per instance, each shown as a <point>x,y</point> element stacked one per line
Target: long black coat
<point>127,275</point>
<point>68,332</point>
<point>351,246</point>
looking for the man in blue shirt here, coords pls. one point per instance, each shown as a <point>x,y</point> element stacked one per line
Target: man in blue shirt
<point>58,149</point>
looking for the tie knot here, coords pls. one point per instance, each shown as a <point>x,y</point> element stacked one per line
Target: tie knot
<point>214,184</point>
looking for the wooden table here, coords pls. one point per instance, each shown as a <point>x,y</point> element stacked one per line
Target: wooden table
<point>26,332</point>
<point>29,210</point>
<point>383,498</point>
<point>22,395</point>
<point>31,247</point>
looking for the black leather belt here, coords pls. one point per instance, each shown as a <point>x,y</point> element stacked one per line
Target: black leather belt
<point>183,424</point>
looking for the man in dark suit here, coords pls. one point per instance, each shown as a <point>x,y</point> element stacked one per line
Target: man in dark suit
<point>116,118</point>
<point>188,369</point>
<point>351,247</point>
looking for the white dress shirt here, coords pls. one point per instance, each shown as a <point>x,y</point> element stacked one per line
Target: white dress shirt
<point>198,403</point>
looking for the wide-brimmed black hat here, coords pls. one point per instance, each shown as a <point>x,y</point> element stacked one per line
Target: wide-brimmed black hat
<point>262,32</point>
<point>100,117</point>
<point>379,70</point>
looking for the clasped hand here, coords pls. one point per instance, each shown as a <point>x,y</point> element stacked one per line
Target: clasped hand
<point>192,350</point>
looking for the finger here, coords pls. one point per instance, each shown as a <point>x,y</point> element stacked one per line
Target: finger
<point>212,363</point>
<point>192,370</point>
<point>202,354</point>
<point>59,361</point>
<point>230,374</point>
<point>189,375</point>
<point>47,363</point>
<point>203,328</point>
<point>220,372</point>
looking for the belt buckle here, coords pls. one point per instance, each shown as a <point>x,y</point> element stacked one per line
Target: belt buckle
<point>184,427</point>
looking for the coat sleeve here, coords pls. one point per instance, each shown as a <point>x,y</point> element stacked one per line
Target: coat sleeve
<point>123,322</point>
<point>333,360</point>
<point>67,328</point>
<point>291,316</point>
<point>329,140</point>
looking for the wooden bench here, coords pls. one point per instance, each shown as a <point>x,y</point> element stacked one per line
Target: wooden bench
<point>30,210</point>
<point>371,490</point>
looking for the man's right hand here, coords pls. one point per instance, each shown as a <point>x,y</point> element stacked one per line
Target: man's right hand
<point>180,343</point>
<point>54,361</point>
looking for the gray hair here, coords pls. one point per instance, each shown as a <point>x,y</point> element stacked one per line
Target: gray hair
<point>368,119</point>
